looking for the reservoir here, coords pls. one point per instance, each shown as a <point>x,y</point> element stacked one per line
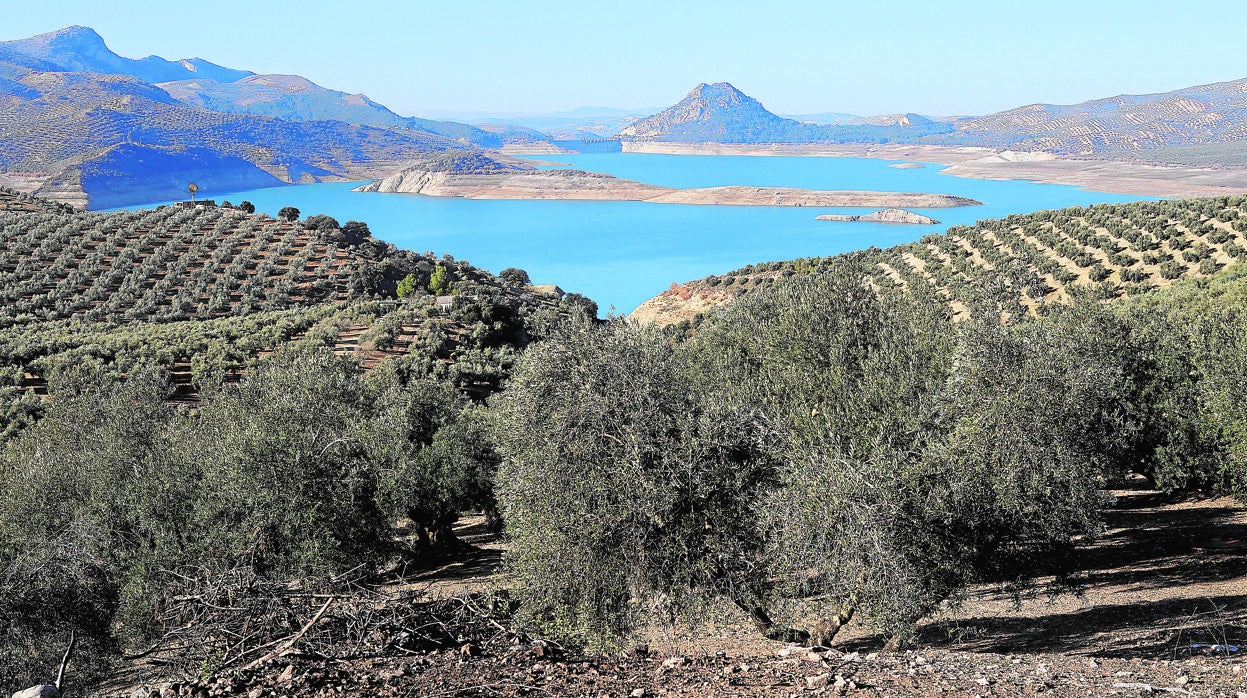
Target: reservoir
<point>619,253</point>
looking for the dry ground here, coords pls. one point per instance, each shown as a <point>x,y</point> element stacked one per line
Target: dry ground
<point>1165,578</point>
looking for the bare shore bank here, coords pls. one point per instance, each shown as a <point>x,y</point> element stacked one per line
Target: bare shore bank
<point>1112,176</point>
<point>576,185</point>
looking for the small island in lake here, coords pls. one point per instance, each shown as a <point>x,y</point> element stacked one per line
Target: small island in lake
<point>888,215</point>
<point>908,166</point>
<point>473,175</point>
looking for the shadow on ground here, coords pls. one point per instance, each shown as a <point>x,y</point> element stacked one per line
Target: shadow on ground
<point>467,564</point>
<point>1163,577</point>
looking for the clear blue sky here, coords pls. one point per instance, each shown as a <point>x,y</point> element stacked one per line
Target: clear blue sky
<point>798,56</point>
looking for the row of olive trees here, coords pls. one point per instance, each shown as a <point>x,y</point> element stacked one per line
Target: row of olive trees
<point>830,443</point>
<point>299,471</point>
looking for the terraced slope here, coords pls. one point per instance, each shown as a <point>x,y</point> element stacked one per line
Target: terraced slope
<point>205,292</point>
<point>1104,251</point>
<point>16,202</point>
<point>164,265</point>
<point>1125,124</point>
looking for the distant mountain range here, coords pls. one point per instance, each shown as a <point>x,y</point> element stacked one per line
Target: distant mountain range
<point>81,124</point>
<point>1192,125</point>
<point>81,50</point>
<point>579,123</point>
<point>296,98</point>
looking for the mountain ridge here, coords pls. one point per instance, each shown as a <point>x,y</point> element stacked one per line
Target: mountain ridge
<point>296,98</point>
<point>81,49</point>
<point>83,125</point>
<point>721,113</point>
<point>1177,127</point>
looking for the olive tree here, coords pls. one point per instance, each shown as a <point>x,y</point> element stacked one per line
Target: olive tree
<point>821,440</point>
<point>622,489</point>
<point>513,276</point>
<point>287,482</point>
<point>433,455</point>
<point>1006,475</point>
<point>1219,357</point>
<point>89,512</point>
<point>853,376</point>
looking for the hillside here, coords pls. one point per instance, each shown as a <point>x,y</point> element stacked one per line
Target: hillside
<point>296,98</point>
<point>168,264</point>
<point>1104,251</point>
<point>72,124</point>
<point>720,113</point>
<point>80,49</point>
<point>1123,125</point>
<point>1202,125</point>
<point>205,291</point>
<point>83,125</point>
<point>241,512</point>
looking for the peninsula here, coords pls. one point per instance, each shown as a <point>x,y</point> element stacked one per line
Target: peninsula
<point>472,175</point>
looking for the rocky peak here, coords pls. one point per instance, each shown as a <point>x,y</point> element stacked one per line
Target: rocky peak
<point>81,49</point>
<point>70,40</point>
<point>711,106</point>
<point>75,35</point>
<point>722,93</point>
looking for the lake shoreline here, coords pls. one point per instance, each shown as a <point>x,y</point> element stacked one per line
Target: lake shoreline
<point>620,253</point>
<point>576,185</point>
<point>972,162</point>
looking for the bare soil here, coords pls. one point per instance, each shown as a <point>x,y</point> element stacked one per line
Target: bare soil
<point>1166,578</point>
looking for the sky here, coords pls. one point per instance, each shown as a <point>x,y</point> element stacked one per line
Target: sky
<point>466,57</point>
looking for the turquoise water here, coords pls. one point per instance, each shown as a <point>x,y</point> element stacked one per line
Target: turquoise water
<point>621,253</point>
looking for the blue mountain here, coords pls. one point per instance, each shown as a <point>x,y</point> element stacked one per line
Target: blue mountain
<point>81,49</point>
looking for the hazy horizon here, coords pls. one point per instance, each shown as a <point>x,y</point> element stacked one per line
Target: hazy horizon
<point>490,58</point>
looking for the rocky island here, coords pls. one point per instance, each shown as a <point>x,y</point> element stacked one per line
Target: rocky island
<point>889,215</point>
<point>474,175</point>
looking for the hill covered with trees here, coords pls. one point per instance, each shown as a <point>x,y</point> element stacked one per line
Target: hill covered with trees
<point>203,292</point>
<point>86,126</point>
<point>1104,251</point>
<point>839,445</point>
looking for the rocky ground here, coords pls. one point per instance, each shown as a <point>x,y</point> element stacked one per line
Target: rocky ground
<point>1166,580</point>
<point>539,670</point>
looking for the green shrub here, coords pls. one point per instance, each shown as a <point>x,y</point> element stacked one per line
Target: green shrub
<point>433,455</point>
<point>621,487</point>
<point>286,479</point>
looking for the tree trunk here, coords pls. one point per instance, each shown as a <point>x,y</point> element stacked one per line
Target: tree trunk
<point>762,621</point>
